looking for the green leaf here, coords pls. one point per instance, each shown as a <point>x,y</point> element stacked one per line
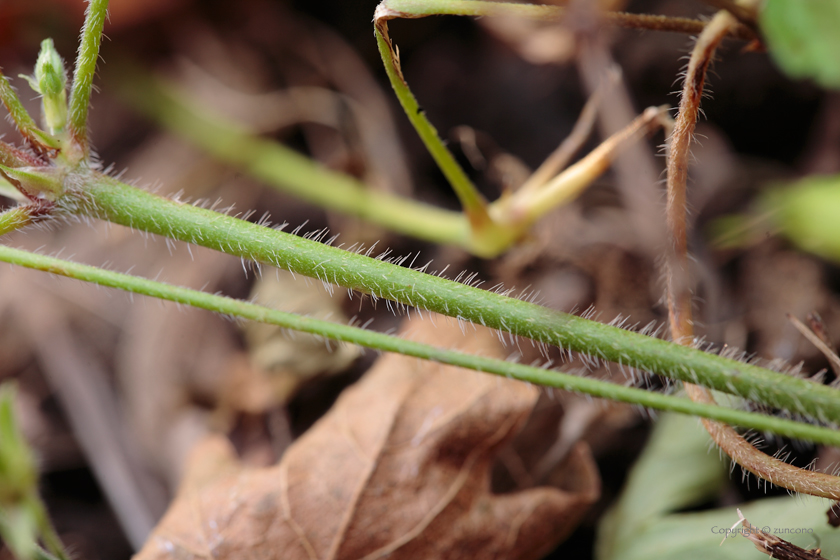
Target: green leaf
<point>675,471</point>
<point>678,469</point>
<point>703,536</point>
<point>807,213</point>
<point>803,39</point>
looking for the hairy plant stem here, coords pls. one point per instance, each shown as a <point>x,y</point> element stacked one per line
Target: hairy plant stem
<point>83,77</point>
<point>678,285</point>
<point>388,343</point>
<point>41,141</point>
<point>15,218</point>
<point>111,200</point>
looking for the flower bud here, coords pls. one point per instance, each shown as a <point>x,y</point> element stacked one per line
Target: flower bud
<point>50,81</point>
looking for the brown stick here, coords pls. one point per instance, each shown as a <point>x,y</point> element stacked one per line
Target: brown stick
<point>673,24</point>
<point>677,278</point>
<point>745,14</point>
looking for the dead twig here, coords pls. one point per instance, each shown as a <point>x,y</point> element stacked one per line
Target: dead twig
<point>774,546</point>
<point>817,336</point>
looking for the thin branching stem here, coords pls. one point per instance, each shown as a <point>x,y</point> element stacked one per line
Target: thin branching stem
<point>493,229</point>
<point>559,159</point>
<point>471,200</point>
<point>819,339</point>
<point>678,285</point>
<point>527,205</point>
<point>95,16</point>
<point>389,343</point>
<point>108,199</point>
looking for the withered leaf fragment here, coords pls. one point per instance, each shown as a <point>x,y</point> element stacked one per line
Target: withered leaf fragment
<point>398,468</point>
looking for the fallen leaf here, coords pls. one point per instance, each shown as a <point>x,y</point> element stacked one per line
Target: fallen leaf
<point>400,467</point>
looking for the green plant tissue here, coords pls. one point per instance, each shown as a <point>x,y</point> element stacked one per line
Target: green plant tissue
<point>807,213</point>
<point>803,38</point>
<point>680,468</point>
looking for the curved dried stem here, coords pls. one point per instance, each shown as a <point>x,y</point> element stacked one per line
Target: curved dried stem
<point>744,14</point>
<point>678,286</point>
<point>760,464</point>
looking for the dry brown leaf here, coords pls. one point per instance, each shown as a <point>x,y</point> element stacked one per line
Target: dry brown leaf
<point>399,467</point>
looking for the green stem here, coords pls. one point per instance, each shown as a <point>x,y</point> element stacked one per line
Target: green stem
<point>85,69</point>
<point>388,343</point>
<point>111,200</point>
<point>284,168</point>
<point>472,202</point>
<point>27,127</point>
<point>392,9</point>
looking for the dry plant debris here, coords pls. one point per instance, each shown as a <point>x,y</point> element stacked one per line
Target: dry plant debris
<point>774,546</point>
<point>400,467</point>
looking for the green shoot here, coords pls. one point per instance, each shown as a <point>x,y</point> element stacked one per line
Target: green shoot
<point>27,127</point>
<point>282,167</point>
<point>14,219</point>
<point>85,69</point>
<point>388,343</point>
<point>58,180</point>
<point>507,220</point>
<point>473,203</point>
<point>108,199</point>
